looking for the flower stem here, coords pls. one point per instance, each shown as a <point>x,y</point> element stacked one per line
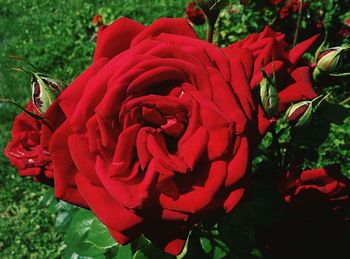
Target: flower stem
<point>298,24</point>
<point>345,101</point>
<point>210,32</point>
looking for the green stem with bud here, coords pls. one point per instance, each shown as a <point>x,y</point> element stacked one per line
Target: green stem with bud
<point>31,114</point>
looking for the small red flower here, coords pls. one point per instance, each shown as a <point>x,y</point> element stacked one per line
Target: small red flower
<point>195,14</point>
<point>284,12</point>
<point>319,25</point>
<point>276,2</point>
<point>232,10</point>
<point>292,7</point>
<point>347,21</point>
<point>344,32</point>
<point>97,20</point>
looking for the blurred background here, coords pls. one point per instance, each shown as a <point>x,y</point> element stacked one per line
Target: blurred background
<point>59,38</point>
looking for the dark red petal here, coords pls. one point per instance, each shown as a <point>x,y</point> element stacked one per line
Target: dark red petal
<point>116,37</point>
<point>298,51</point>
<point>177,26</point>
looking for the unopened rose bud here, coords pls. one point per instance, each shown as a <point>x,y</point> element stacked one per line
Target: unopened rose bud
<point>329,62</point>
<point>300,114</point>
<point>268,95</point>
<point>45,90</point>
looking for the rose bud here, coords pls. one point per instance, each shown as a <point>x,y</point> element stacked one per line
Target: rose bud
<point>300,114</point>
<point>268,94</point>
<point>329,62</point>
<point>45,90</point>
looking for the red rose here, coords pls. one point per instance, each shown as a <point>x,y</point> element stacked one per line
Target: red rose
<point>160,127</point>
<point>28,150</point>
<point>316,217</point>
<point>97,20</point>
<point>293,6</point>
<point>347,21</point>
<point>195,14</point>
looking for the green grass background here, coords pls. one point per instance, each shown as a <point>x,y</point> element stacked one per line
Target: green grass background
<point>59,38</point>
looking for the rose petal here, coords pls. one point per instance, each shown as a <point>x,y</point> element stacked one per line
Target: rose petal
<point>209,181</point>
<point>177,26</point>
<point>65,169</point>
<point>116,37</point>
<point>298,51</point>
<point>108,210</point>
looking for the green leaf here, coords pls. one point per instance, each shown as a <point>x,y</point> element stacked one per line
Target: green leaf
<point>77,233</point>
<point>125,252</point>
<point>99,235</point>
<point>206,245</point>
<point>140,255</point>
<point>257,253</point>
<point>62,219</point>
<point>48,199</point>
<point>62,205</point>
<point>145,249</point>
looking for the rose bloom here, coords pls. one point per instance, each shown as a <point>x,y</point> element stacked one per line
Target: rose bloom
<point>160,129</point>
<point>28,150</point>
<point>316,220</point>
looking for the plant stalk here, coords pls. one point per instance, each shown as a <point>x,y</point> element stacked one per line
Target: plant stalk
<point>296,34</point>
